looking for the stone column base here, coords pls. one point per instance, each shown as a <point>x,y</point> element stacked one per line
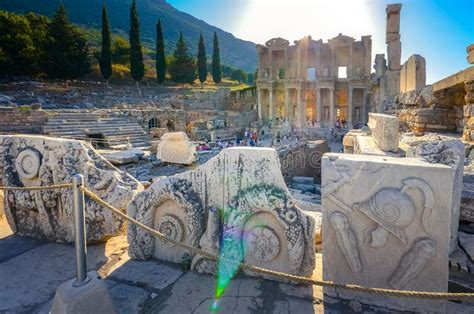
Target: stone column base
<point>92,297</point>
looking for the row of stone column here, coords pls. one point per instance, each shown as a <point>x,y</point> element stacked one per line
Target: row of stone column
<point>301,107</point>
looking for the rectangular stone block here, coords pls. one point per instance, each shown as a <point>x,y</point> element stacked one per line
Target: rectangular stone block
<point>393,18</point>
<point>384,130</point>
<point>413,74</point>
<point>365,145</point>
<point>386,224</point>
<point>394,53</point>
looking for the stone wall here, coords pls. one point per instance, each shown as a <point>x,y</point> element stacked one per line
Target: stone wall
<point>468,132</point>
<point>422,111</point>
<point>14,120</point>
<point>435,119</point>
<point>304,160</point>
<point>222,99</point>
<point>173,119</point>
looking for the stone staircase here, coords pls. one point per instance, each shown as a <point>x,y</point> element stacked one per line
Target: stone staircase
<point>103,129</point>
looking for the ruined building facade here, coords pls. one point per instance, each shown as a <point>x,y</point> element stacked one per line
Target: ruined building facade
<point>314,84</point>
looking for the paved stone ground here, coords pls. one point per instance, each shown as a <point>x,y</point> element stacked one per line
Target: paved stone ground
<point>31,270</point>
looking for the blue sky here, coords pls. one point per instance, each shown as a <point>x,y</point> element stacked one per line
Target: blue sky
<point>439,30</point>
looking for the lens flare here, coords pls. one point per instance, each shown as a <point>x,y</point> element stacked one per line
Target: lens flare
<point>233,248</point>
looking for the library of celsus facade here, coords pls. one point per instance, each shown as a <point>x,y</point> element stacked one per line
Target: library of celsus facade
<point>313,83</point>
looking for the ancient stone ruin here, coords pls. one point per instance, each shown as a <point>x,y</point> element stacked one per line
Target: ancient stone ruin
<point>335,166</point>
<point>375,207</point>
<point>30,161</point>
<point>312,83</point>
<point>239,193</point>
<point>175,147</point>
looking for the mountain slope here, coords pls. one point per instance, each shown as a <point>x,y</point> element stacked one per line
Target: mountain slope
<point>235,52</point>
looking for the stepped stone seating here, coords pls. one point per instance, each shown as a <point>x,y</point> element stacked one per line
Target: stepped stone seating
<point>113,129</point>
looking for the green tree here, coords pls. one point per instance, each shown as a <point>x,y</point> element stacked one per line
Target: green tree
<point>251,78</point>
<point>137,67</point>
<point>160,54</point>
<point>21,43</point>
<point>183,68</point>
<point>202,61</point>
<point>66,50</point>
<point>216,61</point>
<point>105,61</point>
<point>227,70</point>
<point>239,75</point>
<point>121,51</point>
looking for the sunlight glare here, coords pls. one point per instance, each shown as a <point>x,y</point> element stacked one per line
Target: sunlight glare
<point>293,19</point>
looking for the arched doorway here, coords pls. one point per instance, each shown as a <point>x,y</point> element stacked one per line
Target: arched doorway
<point>153,123</point>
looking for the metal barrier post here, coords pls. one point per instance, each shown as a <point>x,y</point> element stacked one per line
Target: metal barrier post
<point>79,230</point>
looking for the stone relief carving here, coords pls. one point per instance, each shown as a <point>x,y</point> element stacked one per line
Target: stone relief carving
<point>413,262</point>
<point>346,240</point>
<point>236,205</point>
<point>271,199</point>
<point>186,226</point>
<point>172,227</point>
<point>28,163</point>
<point>388,216</point>
<point>263,243</point>
<point>391,209</point>
<point>41,161</point>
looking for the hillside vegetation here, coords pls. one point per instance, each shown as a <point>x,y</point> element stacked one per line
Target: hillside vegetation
<point>87,13</point>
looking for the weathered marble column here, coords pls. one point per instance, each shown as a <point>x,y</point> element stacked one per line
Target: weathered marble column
<point>364,107</point>
<point>332,108</point>
<point>468,133</point>
<point>260,103</point>
<point>287,104</point>
<point>299,109</point>
<point>271,105</point>
<point>319,105</point>
<point>349,108</point>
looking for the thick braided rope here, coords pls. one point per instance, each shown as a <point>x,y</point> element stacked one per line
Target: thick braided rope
<point>289,277</point>
<point>36,188</point>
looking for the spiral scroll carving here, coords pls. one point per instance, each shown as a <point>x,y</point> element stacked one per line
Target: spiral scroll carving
<point>263,244</point>
<point>172,227</point>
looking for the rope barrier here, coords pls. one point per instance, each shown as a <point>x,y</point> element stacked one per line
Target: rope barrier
<point>285,276</point>
<point>36,188</point>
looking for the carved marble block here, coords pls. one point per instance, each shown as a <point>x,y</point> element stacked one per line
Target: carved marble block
<point>386,224</point>
<point>438,149</point>
<point>238,197</point>
<point>176,148</point>
<point>384,130</point>
<point>30,161</point>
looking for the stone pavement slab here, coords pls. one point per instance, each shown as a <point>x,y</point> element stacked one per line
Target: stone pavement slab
<point>29,281</point>
<point>14,245</point>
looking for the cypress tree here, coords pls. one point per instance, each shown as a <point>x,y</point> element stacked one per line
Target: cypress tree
<point>137,68</point>
<point>201,61</point>
<point>216,61</point>
<point>160,54</point>
<point>105,61</point>
<point>182,69</point>
<point>66,50</point>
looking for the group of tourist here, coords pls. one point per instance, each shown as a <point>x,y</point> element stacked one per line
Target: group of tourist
<point>250,139</point>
